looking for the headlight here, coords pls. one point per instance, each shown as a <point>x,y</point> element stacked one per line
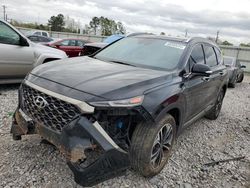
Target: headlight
<point>135,101</point>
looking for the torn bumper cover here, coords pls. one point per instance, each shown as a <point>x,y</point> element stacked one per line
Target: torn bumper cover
<point>73,141</point>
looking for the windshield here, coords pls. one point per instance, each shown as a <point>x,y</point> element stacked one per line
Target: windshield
<point>146,52</point>
<point>228,61</point>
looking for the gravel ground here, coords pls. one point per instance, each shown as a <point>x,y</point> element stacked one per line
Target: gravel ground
<point>28,163</point>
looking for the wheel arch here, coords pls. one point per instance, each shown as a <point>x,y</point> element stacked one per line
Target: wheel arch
<point>174,111</point>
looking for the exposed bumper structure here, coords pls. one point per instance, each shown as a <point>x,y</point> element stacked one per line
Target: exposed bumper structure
<point>80,135</point>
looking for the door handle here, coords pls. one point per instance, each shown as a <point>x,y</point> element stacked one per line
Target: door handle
<point>206,79</point>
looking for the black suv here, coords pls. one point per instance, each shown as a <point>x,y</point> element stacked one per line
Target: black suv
<point>124,106</point>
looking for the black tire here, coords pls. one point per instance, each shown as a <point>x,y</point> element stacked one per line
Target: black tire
<point>241,78</point>
<point>215,110</point>
<point>146,146</point>
<point>232,85</point>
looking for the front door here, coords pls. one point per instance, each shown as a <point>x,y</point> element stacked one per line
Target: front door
<point>197,88</point>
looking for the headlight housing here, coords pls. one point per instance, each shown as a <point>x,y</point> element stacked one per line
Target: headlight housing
<point>131,102</point>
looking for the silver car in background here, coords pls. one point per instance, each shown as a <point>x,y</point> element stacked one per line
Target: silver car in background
<point>235,71</point>
<point>18,55</point>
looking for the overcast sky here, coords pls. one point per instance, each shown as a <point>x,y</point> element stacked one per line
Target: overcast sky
<point>200,18</point>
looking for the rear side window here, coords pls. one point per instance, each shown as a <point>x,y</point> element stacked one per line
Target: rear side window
<point>210,56</point>
<point>44,34</point>
<point>218,53</point>
<point>72,43</point>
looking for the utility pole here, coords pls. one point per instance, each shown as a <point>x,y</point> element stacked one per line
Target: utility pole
<point>186,33</point>
<point>217,36</point>
<point>4,12</point>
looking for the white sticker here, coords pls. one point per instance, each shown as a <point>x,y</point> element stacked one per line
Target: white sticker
<point>175,45</point>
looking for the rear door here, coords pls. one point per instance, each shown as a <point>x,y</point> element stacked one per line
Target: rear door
<point>219,71</point>
<point>15,60</point>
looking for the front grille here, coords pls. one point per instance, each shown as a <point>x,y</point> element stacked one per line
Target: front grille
<point>56,114</point>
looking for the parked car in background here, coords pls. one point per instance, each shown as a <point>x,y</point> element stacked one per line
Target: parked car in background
<point>40,33</point>
<point>235,70</point>
<point>19,55</point>
<point>91,48</point>
<point>124,106</point>
<point>72,47</point>
<point>39,39</point>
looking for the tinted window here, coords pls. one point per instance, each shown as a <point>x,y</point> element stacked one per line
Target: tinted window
<point>80,43</point>
<point>218,53</point>
<point>33,38</point>
<point>210,56</point>
<point>146,52</point>
<point>197,55</point>
<point>72,43</point>
<point>44,34</point>
<point>37,33</point>
<point>8,35</point>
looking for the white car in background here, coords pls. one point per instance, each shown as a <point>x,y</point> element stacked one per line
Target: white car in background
<point>18,55</point>
<point>41,33</point>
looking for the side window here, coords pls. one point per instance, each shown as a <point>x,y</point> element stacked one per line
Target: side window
<point>218,54</point>
<point>210,56</point>
<point>44,34</point>
<point>197,56</point>
<point>8,35</point>
<point>37,33</point>
<point>80,43</point>
<point>65,43</point>
<point>72,43</point>
<point>33,38</point>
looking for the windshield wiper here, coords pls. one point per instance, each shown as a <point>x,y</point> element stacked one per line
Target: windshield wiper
<point>123,63</point>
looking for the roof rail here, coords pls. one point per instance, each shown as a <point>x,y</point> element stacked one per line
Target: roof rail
<point>138,33</point>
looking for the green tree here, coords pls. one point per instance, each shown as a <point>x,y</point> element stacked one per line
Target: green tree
<point>94,23</point>
<point>121,29</point>
<point>107,26</point>
<point>245,45</point>
<point>226,43</point>
<point>56,22</point>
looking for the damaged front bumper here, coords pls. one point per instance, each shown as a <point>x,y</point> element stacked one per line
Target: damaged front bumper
<point>73,141</point>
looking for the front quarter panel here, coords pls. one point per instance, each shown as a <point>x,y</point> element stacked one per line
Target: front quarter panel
<point>160,100</point>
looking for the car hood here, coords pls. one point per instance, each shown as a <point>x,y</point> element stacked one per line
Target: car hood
<point>102,79</point>
<point>42,49</point>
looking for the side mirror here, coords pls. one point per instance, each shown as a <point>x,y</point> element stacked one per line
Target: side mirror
<point>243,66</point>
<point>23,41</point>
<point>201,69</point>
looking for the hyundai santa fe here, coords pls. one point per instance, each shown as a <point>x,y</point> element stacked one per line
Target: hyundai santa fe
<point>123,106</point>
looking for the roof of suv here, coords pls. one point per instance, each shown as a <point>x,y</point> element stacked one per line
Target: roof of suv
<point>178,39</point>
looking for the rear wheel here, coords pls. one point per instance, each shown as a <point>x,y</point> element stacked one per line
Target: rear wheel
<point>151,146</point>
<point>215,110</point>
<point>232,84</point>
<point>240,78</point>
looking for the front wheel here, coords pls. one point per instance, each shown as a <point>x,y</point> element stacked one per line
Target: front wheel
<point>215,110</point>
<point>151,146</point>
<point>241,78</point>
